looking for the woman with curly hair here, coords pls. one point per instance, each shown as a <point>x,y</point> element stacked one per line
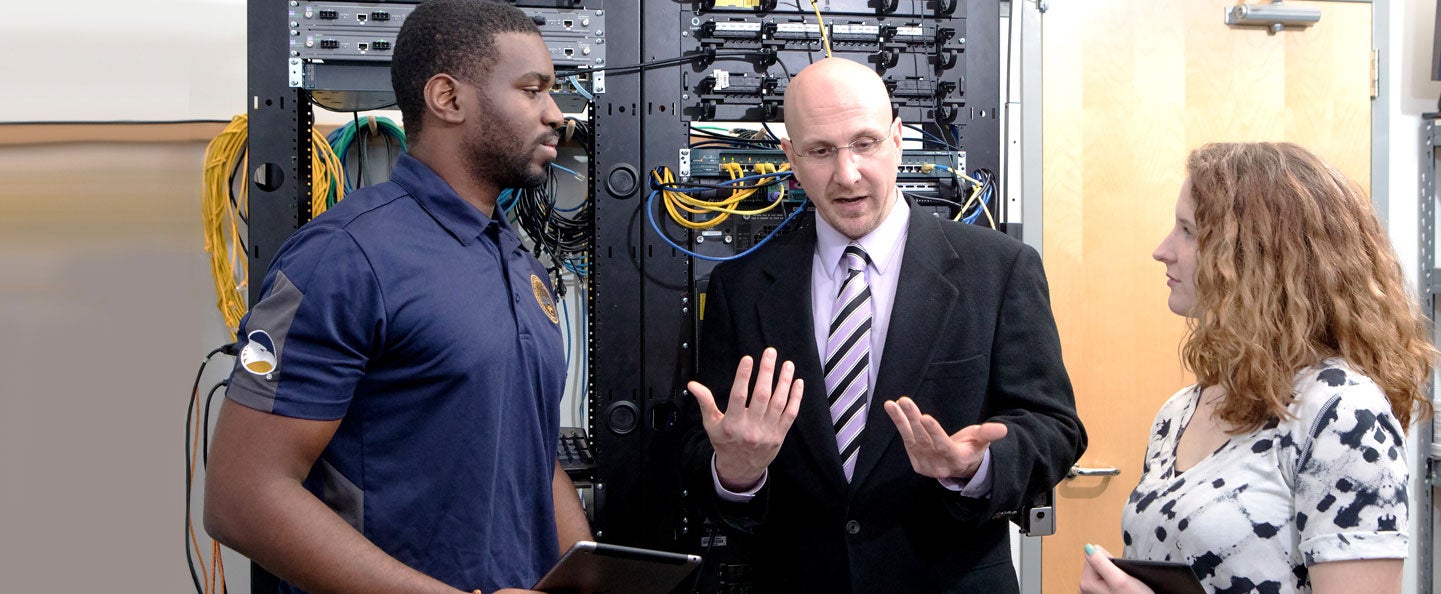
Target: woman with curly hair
<point>1283,469</point>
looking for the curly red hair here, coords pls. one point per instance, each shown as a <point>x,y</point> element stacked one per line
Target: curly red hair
<point>1294,267</point>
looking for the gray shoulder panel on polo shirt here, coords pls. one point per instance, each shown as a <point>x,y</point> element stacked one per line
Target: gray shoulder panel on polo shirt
<point>273,316</point>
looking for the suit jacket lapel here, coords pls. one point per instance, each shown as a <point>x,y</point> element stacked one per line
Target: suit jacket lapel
<point>924,299</point>
<point>786,323</point>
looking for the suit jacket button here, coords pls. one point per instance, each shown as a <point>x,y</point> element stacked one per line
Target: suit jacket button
<point>853,527</point>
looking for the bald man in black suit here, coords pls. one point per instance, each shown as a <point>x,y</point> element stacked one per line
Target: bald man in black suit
<point>932,405</point>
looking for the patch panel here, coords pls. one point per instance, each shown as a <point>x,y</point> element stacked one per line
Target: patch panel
<point>733,29</point>
<point>907,7</point>
<point>723,82</point>
<point>912,35</point>
<point>564,22</point>
<point>572,53</point>
<point>921,58</point>
<point>855,32</point>
<point>708,163</point>
<point>797,30</point>
<point>761,5</point>
<point>308,16</point>
<point>913,161</point>
<point>346,45</point>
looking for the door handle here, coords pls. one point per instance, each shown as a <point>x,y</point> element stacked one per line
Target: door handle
<point>1079,471</point>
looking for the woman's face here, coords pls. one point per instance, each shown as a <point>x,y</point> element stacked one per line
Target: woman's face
<point>1178,252</point>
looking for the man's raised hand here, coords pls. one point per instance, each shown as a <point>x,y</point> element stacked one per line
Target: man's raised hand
<point>747,436</point>
<point>935,454</point>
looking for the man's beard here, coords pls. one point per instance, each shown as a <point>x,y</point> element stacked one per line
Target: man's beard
<point>503,159</point>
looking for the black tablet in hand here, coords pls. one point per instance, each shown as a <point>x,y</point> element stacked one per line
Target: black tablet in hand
<point>595,568</point>
<point>1164,577</point>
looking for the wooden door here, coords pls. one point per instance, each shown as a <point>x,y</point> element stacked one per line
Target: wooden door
<point>1129,88</point>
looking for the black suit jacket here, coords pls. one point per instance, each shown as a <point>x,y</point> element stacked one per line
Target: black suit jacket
<point>971,339</point>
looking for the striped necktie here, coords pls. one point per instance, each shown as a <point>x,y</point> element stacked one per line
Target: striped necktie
<point>848,358</point>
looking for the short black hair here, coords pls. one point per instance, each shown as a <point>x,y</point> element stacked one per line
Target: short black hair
<point>454,37</point>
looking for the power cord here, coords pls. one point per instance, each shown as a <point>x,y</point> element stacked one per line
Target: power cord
<point>193,432</point>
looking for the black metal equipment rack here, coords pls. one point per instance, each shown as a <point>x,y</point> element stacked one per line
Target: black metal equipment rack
<point>644,294</point>
<point>279,139</point>
<point>278,154</point>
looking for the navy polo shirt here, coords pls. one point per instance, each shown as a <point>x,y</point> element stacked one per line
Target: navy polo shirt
<point>431,333</point>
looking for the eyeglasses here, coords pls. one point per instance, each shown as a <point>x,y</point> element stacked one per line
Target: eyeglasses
<point>863,147</point>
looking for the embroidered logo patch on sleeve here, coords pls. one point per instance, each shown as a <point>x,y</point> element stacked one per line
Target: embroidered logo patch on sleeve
<point>258,356</point>
<point>542,297</point>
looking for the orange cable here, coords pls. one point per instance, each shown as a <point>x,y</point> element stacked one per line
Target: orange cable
<point>216,571</point>
<point>190,478</point>
<point>220,566</point>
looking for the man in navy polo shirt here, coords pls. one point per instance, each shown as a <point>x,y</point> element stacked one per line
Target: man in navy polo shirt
<point>392,420</point>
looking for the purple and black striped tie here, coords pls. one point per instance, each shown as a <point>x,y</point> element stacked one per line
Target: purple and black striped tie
<point>848,360</point>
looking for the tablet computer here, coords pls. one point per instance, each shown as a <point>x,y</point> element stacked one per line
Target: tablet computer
<point>1165,577</point>
<point>595,568</point>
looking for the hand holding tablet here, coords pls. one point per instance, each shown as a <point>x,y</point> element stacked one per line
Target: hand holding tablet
<point>1164,577</point>
<point>595,568</point>
<point>1104,574</point>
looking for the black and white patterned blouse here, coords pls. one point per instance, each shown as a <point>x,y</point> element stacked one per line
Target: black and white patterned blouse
<point>1326,485</point>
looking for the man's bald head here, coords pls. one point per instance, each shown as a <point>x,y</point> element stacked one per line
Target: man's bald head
<point>833,86</point>
<point>844,145</point>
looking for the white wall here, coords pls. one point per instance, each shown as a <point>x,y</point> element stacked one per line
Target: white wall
<point>1409,92</point>
<point>133,60</point>
<point>112,60</point>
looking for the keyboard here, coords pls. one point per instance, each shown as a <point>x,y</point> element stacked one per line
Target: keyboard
<point>575,455</point>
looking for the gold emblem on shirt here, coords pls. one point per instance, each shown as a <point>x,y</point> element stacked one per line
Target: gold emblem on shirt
<point>542,297</point>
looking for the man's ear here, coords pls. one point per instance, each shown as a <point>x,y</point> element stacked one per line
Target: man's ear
<point>443,98</point>
<point>788,147</point>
